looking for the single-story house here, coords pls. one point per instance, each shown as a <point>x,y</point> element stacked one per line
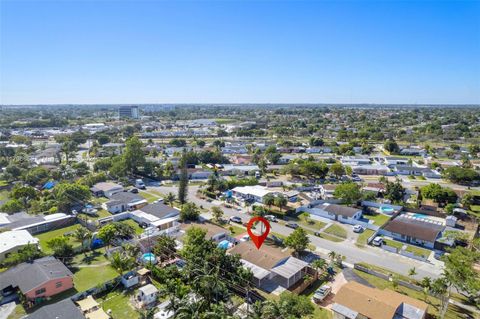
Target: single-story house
<point>413,151</point>
<point>42,278</point>
<point>377,188</point>
<point>48,156</point>
<point>414,228</point>
<point>155,215</point>
<point>357,301</point>
<point>355,160</point>
<point>373,169</point>
<point>416,171</point>
<point>39,224</point>
<point>64,309</point>
<point>393,160</point>
<point>270,265</point>
<point>343,214</point>
<point>327,190</point>
<point>241,159</point>
<point>12,241</point>
<point>110,149</point>
<point>254,193</point>
<point>123,201</point>
<point>238,170</point>
<point>106,189</point>
<point>214,232</point>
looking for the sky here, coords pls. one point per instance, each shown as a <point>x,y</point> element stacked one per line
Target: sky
<point>102,52</point>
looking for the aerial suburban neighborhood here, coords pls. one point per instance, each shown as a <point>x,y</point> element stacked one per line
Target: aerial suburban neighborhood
<point>141,211</point>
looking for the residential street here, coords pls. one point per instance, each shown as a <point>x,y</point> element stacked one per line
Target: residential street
<point>347,248</point>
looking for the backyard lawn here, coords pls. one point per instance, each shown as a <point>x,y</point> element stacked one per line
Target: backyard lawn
<point>336,230</point>
<point>3,195</point>
<point>138,230</point>
<point>89,273</point>
<point>45,237</point>
<point>3,182</point>
<point>364,236</point>
<point>120,305</point>
<point>419,251</point>
<point>378,219</point>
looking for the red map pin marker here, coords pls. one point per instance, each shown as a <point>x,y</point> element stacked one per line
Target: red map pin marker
<point>258,240</point>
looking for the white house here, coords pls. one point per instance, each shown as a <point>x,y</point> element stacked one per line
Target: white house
<point>106,189</point>
<point>327,190</point>
<point>123,201</point>
<point>372,169</point>
<point>343,214</point>
<point>252,193</point>
<point>146,295</point>
<point>12,241</point>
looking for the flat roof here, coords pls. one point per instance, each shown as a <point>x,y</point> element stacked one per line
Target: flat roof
<point>15,238</point>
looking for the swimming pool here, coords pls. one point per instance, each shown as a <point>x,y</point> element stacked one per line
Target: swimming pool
<point>386,209</point>
<point>420,216</point>
<point>149,258</point>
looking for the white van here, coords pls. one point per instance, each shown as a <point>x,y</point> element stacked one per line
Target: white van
<point>139,184</point>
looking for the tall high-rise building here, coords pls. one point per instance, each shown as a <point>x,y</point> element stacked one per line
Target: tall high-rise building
<point>128,111</point>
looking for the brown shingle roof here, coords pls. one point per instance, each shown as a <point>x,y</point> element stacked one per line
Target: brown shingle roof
<point>414,228</point>
<point>266,257</point>
<point>374,303</point>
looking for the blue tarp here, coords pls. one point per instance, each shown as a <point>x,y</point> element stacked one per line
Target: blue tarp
<point>49,185</point>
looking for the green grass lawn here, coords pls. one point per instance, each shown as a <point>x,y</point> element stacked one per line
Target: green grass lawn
<point>97,273</point>
<point>394,243</point>
<point>138,230</point>
<point>362,238</point>
<point>237,230</point>
<point>149,197</point>
<point>3,195</point>
<point>312,223</point>
<point>418,250</point>
<point>119,303</point>
<point>434,303</point>
<point>378,219</point>
<point>3,182</point>
<point>321,313</point>
<point>336,230</point>
<point>45,237</point>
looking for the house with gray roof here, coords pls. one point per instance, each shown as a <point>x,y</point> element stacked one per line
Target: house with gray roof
<point>64,309</point>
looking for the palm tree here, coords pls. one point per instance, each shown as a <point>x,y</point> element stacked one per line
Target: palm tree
<point>426,284</point>
<point>131,250</point>
<point>189,309</point>
<point>280,201</point>
<point>147,313</point>
<point>83,236</point>
<point>268,200</point>
<point>320,265</point>
<point>121,263</point>
<point>170,199</point>
<point>332,255</point>
<point>217,213</point>
<point>412,272</point>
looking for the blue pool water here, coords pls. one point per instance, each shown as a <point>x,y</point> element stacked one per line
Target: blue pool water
<point>148,257</point>
<point>420,216</point>
<point>386,209</point>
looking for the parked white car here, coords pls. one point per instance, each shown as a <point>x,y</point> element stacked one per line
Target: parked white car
<point>358,229</point>
<point>377,241</point>
<point>271,218</point>
<point>322,293</point>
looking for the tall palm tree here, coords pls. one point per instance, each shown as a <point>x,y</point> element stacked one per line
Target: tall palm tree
<point>121,263</point>
<point>412,272</point>
<point>83,236</point>
<point>426,284</point>
<point>170,199</point>
<point>320,265</point>
<point>332,255</point>
<point>190,309</point>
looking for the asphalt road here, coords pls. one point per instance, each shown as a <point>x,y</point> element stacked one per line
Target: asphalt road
<point>347,248</point>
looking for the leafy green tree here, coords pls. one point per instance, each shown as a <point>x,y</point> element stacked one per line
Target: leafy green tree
<point>289,305</point>
<point>349,193</point>
<point>61,247</point>
<point>391,146</point>
<point>12,206</point>
<point>83,236</point>
<point>460,175</point>
<point>438,194</point>
<point>169,199</point>
<point>394,191</point>
<point>298,240</point>
<point>337,169</point>
<point>189,211</point>
<point>217,213</point>
<point>459,271</point>
<point>37,175</point>
<point>68,194</point>
<point>280,201</point>
<point>28,252</point>
<point>165,248</point>
<point>133,155</point>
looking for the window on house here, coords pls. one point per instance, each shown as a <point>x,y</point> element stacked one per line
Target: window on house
<point>58,284</point>
<point>40,291</point>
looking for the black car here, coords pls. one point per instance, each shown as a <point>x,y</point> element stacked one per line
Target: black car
<point>236,219</point>
<point>292,225</point>
<point>134,190</point>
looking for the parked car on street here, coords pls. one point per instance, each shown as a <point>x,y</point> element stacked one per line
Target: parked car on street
<point>140,184</point>
<point>377,241</point>
<point>321,293</point>
<point>236,219</point>
<point>134,190</point>
<point>292,225</point>
<point>358,229</point>
<point>271,218</point>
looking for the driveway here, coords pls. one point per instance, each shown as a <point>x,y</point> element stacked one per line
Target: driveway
<point>350,275</point>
